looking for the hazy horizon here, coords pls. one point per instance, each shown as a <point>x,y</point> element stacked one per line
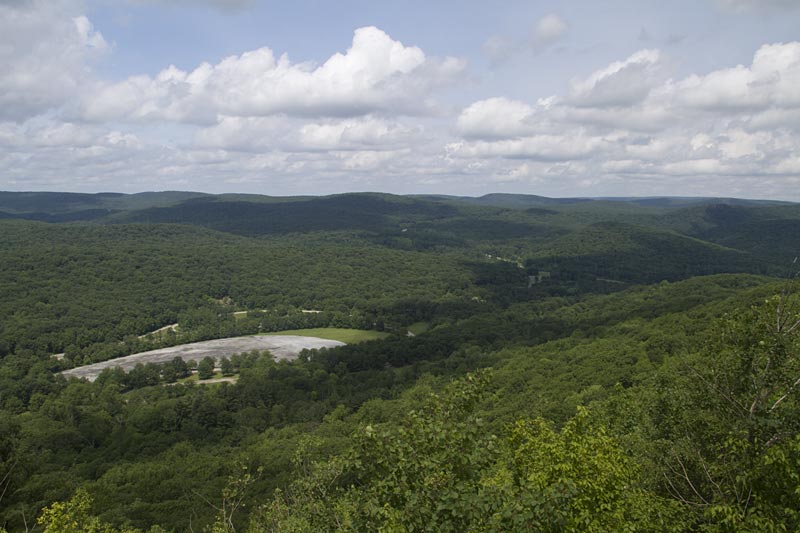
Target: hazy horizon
<point>452,195</point>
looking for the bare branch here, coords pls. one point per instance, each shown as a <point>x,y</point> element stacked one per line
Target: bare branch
<point>677,494</point>
<point>794,327</point>
<point>774,439</point>
<point>688,480</point>
<point>716,389</point>
<point>708,475</point>
<point>747,502</point>
<point>788,393</point>
<point>206,500</point>
<point>6,481</point>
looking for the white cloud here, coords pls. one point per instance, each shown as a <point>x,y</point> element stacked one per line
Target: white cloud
<point>260,117</point>
<point>249,134</point>
<point>653,149</point>
<point>789,165</point>
<point>548,29</point>
<point>44,53</point>
<point>369,160</point>
<point>738,143</point>
<point>355,133</point>
<point>564,147</point>
<point>376,74</point>
<point>649,116</point>
<point>772,79</point>
<point>46,153</point>
<point>366,118</point>
<point>773,117</point>
<point>47,134</point>
<point>243,134</point>
<point>628,123</point>
<point>88,36</point>
<point>622,83</point>
<point>496,117</point>
<point>695,167</point>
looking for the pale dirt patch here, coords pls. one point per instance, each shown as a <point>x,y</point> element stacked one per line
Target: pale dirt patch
<point>171,327</point>
<point>218,380</point>
<point>281,347</point>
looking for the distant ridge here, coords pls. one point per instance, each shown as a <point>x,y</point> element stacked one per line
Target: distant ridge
<point>505,200</point>
<point>39,203</point>
<point>531,200</point>
<point>686,201</point>
<point>65,202</point>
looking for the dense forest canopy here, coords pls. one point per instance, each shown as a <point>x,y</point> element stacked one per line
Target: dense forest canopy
<point>542,364</point>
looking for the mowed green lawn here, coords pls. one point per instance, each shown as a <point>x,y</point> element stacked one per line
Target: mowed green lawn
<point>345,335</point>
<point>419,327</point>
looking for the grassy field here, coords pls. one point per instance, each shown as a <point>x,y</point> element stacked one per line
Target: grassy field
<point>347,336</point>
<point>419,327</point>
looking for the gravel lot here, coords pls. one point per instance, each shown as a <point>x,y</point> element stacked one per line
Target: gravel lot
<point>281,347</point>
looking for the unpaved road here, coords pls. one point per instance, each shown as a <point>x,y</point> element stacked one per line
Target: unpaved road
<point>171,327</point>
<point>281,347</point>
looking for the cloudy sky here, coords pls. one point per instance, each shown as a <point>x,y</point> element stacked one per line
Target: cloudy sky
<point>570,98</point>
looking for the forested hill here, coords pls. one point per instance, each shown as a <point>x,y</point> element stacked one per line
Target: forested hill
<point>767,229</point>
<point>526,364</point>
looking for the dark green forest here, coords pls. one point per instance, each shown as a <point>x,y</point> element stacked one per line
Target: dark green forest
<point>546,364</point>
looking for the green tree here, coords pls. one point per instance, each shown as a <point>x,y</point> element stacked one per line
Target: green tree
<point>74,516</point>
<point>205,368</point>
<point>180,367</point>
<point>577,479</point>
<point>719,429</point>
<point>440,470</point>
<point>168,374</point>
<point>233,500</point>
<point>226,367</point>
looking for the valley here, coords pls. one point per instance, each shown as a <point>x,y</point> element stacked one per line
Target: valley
<point>423,353</point>
<point>427,267</point>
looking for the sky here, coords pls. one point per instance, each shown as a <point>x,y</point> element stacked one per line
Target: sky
<point>554,98</point>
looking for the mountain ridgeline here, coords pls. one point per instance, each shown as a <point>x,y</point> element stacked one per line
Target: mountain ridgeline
<point>514,363</point>
<point>732,223</point>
